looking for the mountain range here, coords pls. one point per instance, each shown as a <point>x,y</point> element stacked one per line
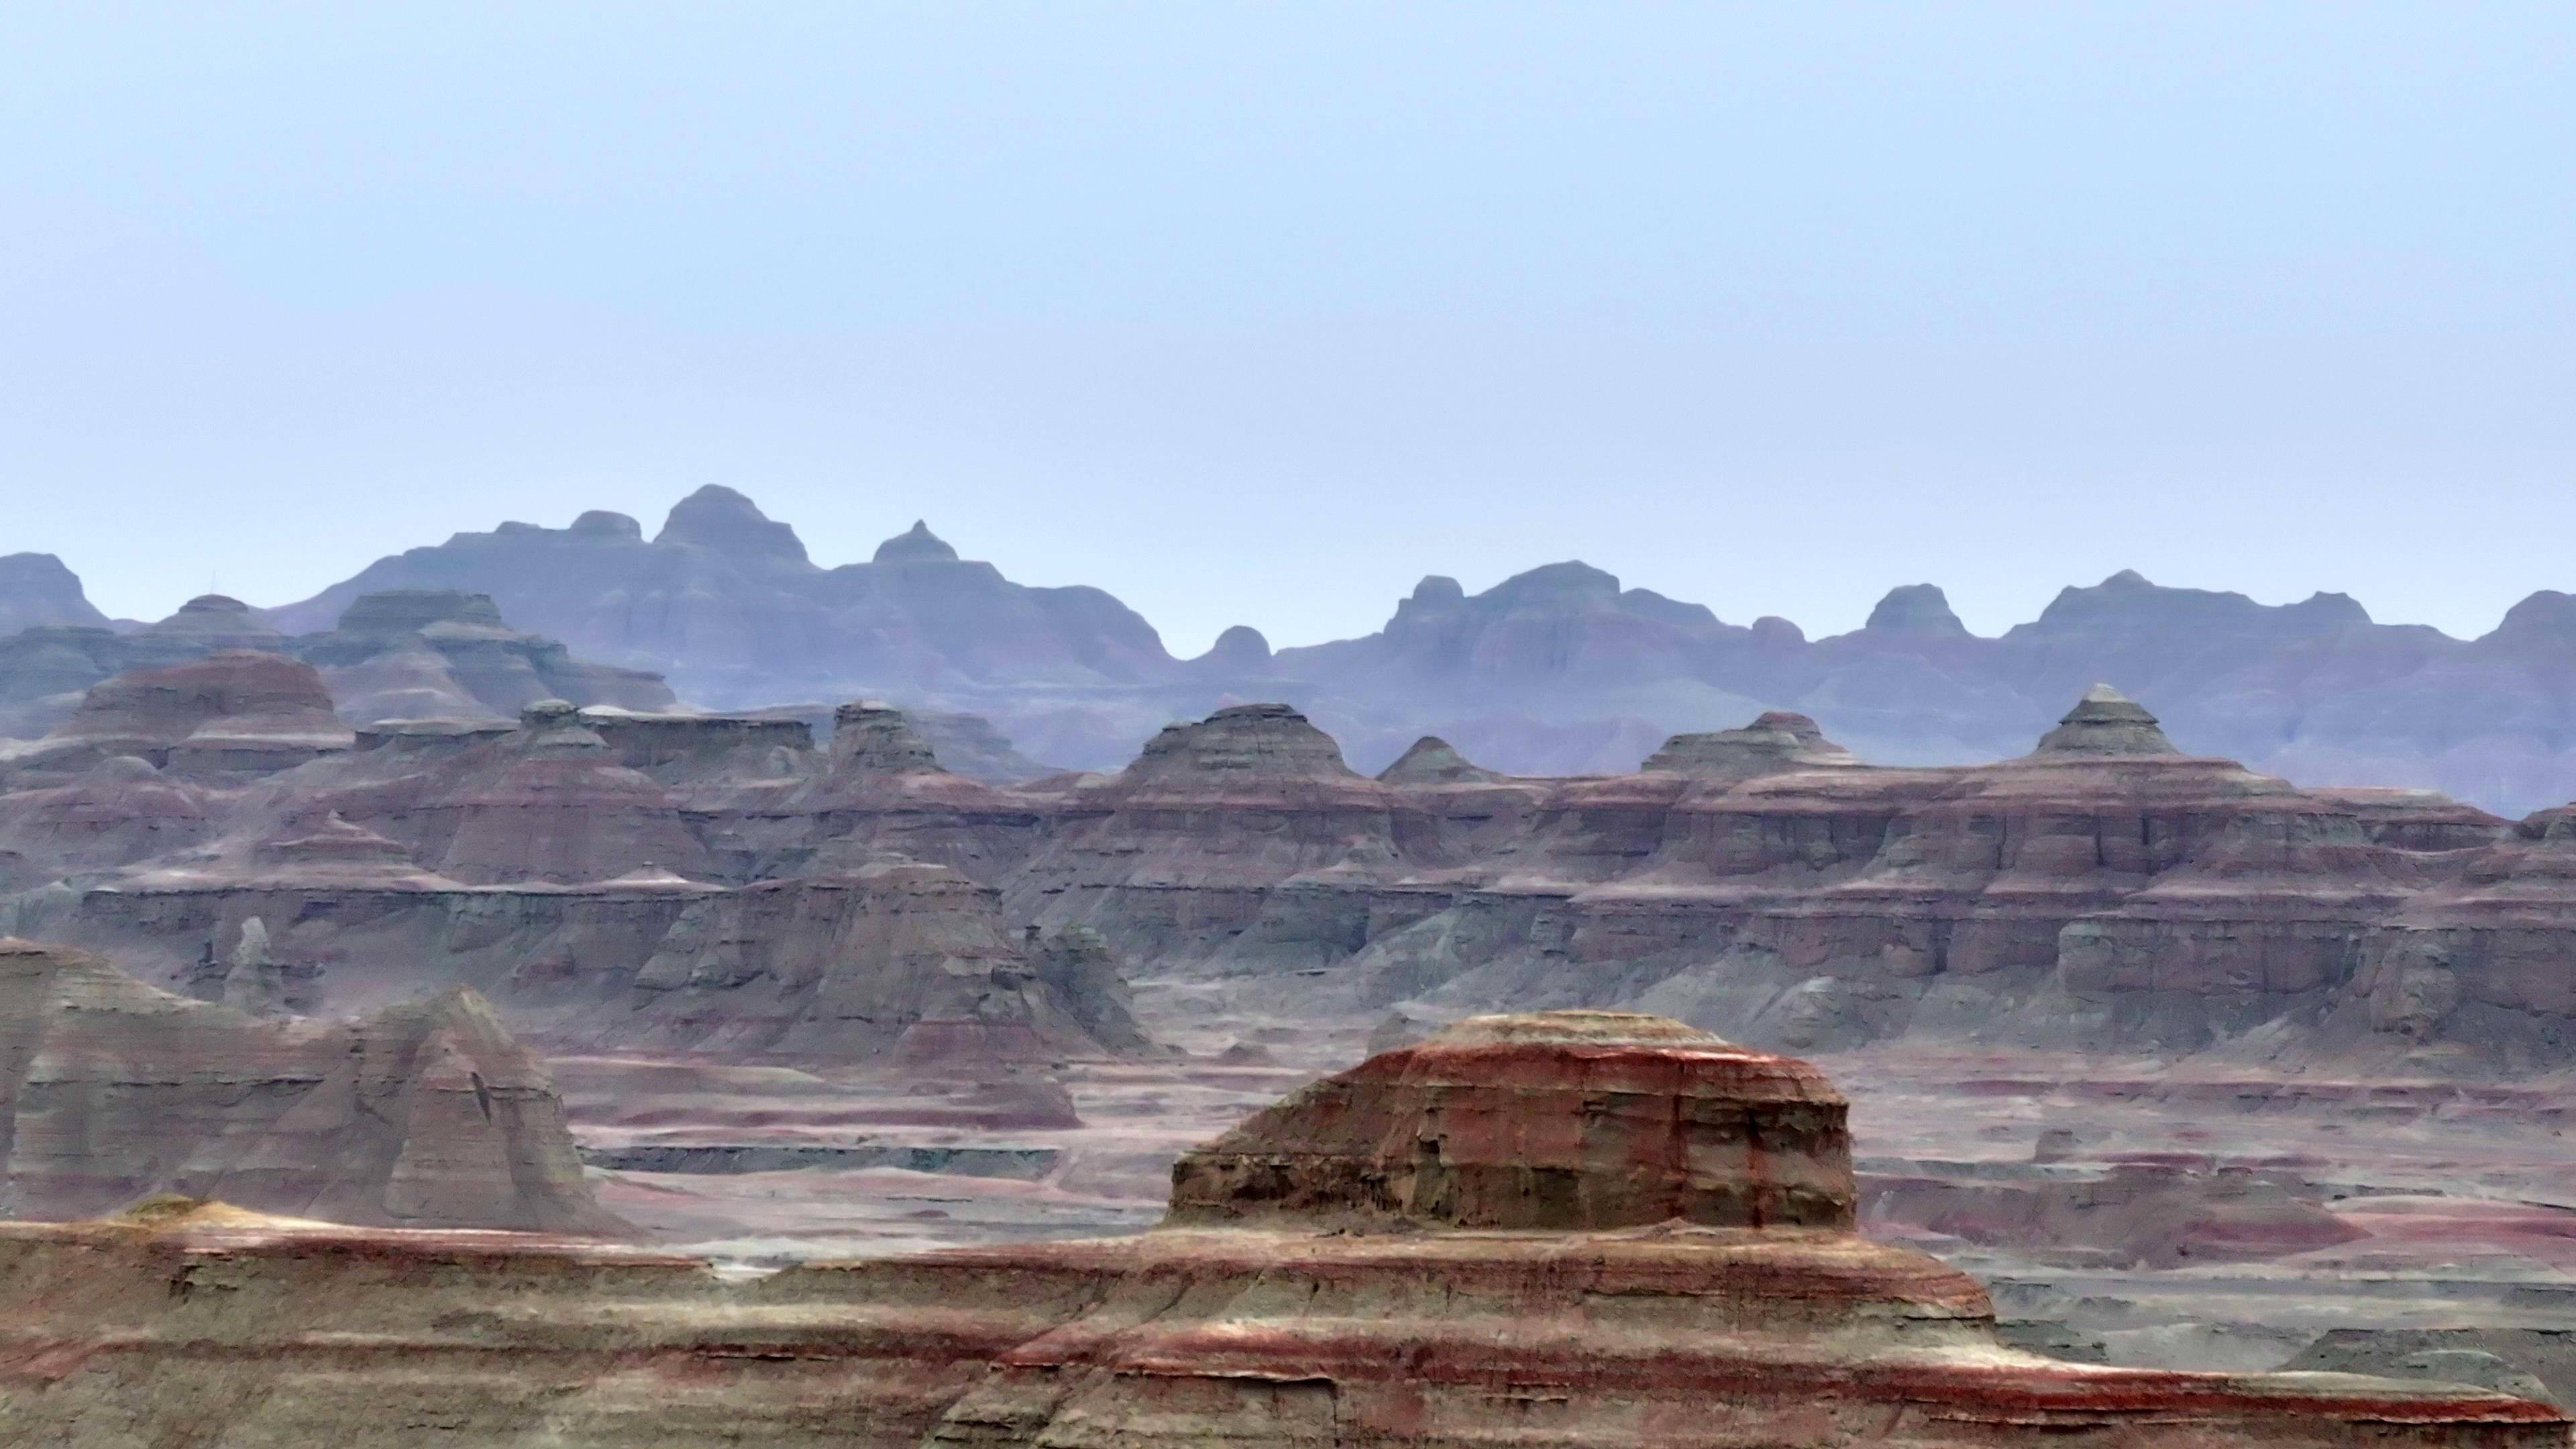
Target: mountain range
<point>1560,669</point>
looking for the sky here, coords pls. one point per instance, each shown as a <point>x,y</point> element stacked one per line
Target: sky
<point>1258,313</point>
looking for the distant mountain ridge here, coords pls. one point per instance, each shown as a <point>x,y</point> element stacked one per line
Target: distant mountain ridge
<point>1559,669</point>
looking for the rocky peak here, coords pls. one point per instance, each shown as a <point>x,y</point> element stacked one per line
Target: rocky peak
<point>2127,604</point>
<point>602,525</point>
<point>396,612</point>
<point>212,605</point>
<point>722,521</point>
<point>1563,1121</point>
<point>2106,722</point>
<point>1434,761</point>
<point>1239,650</point>
<point>873,737</point>
<point>1916,609</point>
<point>2545,620</point>
<point>1555,584</point>
<point>916,544</point>
<point>35,588</point>
<point>1271,740</point>
<point>205,623</point>
<point>1773,632</point>
<point>1775,741</point>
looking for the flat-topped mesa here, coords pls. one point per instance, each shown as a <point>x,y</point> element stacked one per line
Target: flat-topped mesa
<point>396,612</point>
<point>1269,740</point>
<point>872,737</point>
<point>1559,1121</point>
<point>1775,742</point>
<point>2106,722</point>
<point>1432,760</point>
<point>699,742</point>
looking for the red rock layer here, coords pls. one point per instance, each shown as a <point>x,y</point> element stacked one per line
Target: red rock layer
<point>1597,1120</point>
<point>1307,1330</point>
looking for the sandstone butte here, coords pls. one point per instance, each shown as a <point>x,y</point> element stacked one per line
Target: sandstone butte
<point>1556,1229</point>
<point>721,882</point>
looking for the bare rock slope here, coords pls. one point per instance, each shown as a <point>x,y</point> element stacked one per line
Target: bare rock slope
<point>421,1115</point>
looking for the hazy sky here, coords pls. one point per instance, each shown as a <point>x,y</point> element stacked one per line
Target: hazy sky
<point>1258,313</point>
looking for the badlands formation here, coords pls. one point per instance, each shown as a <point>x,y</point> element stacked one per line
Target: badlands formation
<point>1556,1229</point>
<point>2192,1065</point>
<point>722,883</point>
<point>420,1115</point>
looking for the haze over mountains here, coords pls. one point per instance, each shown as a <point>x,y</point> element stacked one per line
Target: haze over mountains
<point>1559,669</point>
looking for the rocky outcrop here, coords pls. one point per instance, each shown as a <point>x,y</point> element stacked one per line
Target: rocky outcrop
<point>425,1114</point>
<point>1577,1121</point>
<point>35,589</point>
<point>1775,743</point>
<point>446,654</point>
<point>725,602</point>
<point>407,654</point>
<point>233,713</point>
<point>1594,1319</point>
<point>1559,669</point>
<point>1243,832</point>
<point>838,965</point>
<point>843,968</point>
<point>1432,760</point>
<point>2103,891</point>
<point>204,625</point>
<point>548,802</point>
<point>116,812</point>
<point>2106,722</point>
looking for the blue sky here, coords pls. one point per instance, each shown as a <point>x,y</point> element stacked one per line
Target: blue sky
<point>1258,313</point>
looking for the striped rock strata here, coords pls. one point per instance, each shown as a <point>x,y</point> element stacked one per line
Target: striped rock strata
<point>1318,1283</point>
<point>425,1114</point>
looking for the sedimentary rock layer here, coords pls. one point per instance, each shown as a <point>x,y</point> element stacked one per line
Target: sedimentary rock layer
<point>2105,890</point>
<point>425,1114</point>
<point>1298,1331</point>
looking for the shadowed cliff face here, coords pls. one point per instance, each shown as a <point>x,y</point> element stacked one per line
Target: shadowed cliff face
<point>1567,1230</point>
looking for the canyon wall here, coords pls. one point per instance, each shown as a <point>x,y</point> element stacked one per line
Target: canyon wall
<point>724,881</point>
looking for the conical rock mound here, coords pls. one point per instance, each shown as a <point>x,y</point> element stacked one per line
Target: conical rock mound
<point>1432,760</point>
<point>2106,722</point>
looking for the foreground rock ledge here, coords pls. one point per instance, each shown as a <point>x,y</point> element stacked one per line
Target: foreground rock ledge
<point>1670,1264</point>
